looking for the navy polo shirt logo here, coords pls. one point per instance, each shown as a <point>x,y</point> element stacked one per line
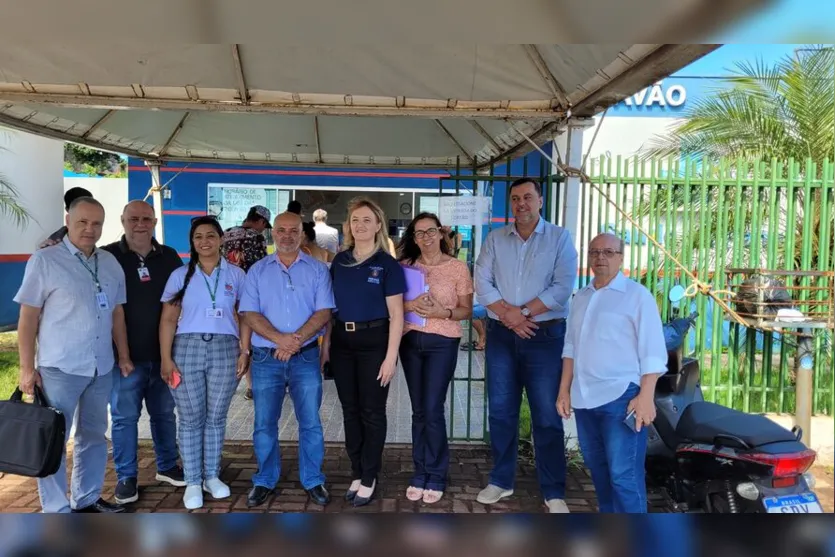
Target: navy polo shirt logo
<point>374,277</point>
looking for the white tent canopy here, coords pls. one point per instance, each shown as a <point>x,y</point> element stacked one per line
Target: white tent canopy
<point>402,105</point>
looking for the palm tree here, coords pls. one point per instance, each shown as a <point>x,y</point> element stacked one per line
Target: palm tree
<point>785,112</point>
<point>9,205</point>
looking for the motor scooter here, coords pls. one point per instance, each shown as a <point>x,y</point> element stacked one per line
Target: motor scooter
<point>710,458</point>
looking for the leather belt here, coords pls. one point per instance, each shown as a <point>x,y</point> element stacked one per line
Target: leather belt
<point>352,326</point>
<point>305,348</point>
<point>547,323</point>
<point>309,347</point>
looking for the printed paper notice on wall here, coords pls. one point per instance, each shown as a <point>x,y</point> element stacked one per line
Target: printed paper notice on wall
<point>236,204</point>
<point>464,211</point>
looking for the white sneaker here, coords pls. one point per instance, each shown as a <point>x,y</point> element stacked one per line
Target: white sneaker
<point>216,488</point>
<point>557,506</point>
<point>493,494</point>
<point>193,497</point>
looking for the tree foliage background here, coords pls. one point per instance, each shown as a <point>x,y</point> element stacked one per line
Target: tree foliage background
<point>85,160</point>
<point>783,112</point>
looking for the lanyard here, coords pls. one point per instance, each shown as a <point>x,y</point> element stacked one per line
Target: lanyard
<point>93,272</point>
<point>212,293</point>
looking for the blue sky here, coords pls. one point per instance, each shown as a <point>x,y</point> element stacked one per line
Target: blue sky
<point>720,61</point>
<point>784,21</point>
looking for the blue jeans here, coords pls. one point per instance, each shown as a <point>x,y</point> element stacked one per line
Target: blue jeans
<point>145,383</point>
<point>88,396</point>
<point>536,365</point>
<point>429,363</point>
<point>269,380</point>
<point>614,454</point>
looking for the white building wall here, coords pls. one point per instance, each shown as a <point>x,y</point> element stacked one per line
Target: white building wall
<point>110,192</point>
<point>35,166</point>
<point>624,136</point>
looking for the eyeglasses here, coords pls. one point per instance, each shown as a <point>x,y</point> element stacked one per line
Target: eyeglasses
<point>431,232</point>
<point>609,253</point>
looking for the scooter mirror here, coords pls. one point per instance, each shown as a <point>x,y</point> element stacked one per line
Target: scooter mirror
<point>676,293</point>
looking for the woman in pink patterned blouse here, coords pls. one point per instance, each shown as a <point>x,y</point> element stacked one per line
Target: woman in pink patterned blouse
<point>429,353</point>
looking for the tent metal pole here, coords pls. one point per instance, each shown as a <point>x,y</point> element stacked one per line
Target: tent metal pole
<point>156,192</point>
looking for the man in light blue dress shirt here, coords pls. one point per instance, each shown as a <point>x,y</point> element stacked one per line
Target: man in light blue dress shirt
<point>614,354</point>
<point>71,304</point>
<point>287,300</point>
<point>524,275</point>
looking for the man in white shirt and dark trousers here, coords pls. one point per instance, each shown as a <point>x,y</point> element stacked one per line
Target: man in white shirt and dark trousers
<point>327,237</point>
<point>614,354</point>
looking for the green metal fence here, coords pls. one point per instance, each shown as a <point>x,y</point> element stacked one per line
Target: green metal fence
<point>713,217</point>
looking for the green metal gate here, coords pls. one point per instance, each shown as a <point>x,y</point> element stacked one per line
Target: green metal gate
<point>467,396</point>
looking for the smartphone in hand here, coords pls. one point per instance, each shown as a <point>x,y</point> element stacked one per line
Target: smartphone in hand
<point>175,380</point>
<point>631,421</point>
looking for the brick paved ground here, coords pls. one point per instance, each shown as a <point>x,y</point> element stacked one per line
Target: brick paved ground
<point>468,473</point>
<point>469,469</point>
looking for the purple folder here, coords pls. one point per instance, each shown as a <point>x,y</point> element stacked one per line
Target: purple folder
<point>415,286</point>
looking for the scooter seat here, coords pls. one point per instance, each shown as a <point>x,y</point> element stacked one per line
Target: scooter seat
<point>706,422</point>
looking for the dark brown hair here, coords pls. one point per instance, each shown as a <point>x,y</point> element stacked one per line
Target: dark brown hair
<point>408,251</point>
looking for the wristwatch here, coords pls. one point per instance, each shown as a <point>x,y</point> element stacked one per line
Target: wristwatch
<point>526,311</point>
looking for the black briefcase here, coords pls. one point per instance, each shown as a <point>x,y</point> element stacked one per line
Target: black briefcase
<point>31,436</point>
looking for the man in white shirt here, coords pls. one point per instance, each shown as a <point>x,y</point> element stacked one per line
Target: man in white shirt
<point>614,354</point>
<point>327,237</point>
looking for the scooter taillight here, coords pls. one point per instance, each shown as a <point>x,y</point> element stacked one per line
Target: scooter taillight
<point>785,465</point>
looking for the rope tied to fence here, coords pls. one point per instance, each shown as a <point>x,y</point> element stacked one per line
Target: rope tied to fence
<point>697,285</point>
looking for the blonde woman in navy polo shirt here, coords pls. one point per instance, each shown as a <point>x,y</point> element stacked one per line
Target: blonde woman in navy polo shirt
<point>201,357</point>
<point>363,341</point>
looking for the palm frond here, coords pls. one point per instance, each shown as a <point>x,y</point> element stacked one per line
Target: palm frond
<point>9,204</point>
<point>784,110</point>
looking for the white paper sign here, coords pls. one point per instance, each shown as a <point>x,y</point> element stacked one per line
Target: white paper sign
<point>237,201</point>
<point>464,211</point>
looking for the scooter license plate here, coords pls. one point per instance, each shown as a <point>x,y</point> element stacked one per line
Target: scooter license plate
<point>803,503</point>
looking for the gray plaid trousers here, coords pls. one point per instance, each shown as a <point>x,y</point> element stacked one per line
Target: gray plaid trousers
<point>203,398</point>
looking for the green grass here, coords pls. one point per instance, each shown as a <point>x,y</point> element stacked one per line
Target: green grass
<point>8,364</point>
<point>574,459</point>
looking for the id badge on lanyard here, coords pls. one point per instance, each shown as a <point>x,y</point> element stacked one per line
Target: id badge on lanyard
<point>213,312</point>
<point>144,274</point>
<point>101,300</point>
<point>101,296</point>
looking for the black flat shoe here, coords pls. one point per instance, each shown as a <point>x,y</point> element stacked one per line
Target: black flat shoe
<point>101,506</point>
<point>258,496</point>
<point>349,495</point>
<point>362,501</point>
<point>319,495</point>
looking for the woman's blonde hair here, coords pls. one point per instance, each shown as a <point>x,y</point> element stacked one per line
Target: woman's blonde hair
<point>381,239</point>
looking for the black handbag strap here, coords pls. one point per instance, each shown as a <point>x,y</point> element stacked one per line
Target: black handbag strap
<point>40,397</point>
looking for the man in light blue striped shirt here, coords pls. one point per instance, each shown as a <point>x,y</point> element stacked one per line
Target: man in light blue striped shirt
<point>525,275</point>
<point>71,313</point>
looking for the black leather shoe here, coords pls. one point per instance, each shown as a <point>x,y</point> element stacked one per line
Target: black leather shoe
<point>101,506</point>
<point>349,495</point>
<point>258,496</point>
<point>362,501</point>
<point>319,495</point>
